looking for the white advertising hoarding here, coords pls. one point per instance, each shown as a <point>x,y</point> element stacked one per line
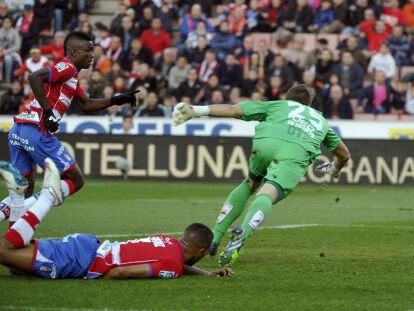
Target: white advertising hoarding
<point>218,127</point>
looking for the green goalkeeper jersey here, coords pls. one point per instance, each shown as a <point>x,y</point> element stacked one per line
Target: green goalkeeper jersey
<point>291,121</point>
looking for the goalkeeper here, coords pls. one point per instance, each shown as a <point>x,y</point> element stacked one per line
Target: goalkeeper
<point>286,142</point>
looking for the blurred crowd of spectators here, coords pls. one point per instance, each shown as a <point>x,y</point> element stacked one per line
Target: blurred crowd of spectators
<point>209,52</point>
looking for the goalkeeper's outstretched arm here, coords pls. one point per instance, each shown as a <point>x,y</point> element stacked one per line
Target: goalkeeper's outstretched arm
<point>224,111</point>
<point>184,112</point>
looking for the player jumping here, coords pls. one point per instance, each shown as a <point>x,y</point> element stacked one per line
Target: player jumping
<point>286,142</point>
<point>82,255</point>
<point>31,140</point>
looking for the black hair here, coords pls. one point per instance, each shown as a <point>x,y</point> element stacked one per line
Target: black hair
<point>198,235</point>
<point>301,93</point>
<point>77,35</point>
<point>323,41</point>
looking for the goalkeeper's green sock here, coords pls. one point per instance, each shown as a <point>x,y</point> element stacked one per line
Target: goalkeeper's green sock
<point>260,208</point>
<point>232,209</point>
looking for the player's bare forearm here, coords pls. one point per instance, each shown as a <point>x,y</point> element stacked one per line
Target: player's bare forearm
<point>37,81</point>
<point>89,104</point>
<point>190,270</point>
<point>129,272</point>
<point>225,111</point>
<point>341,156</point>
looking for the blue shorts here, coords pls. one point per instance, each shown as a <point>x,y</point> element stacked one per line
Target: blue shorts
<point>69,257</point>
<point>29,147</point>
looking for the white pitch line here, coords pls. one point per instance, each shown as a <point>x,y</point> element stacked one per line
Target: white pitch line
<point>61,309</point>
<point>277,227</point>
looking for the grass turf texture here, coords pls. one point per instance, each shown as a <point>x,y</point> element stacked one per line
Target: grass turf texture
<point>366,265</point>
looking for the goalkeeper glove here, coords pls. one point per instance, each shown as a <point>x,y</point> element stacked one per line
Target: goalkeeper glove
<point>126,98</point>
<point>184,112</point>
<point>51,122</point>
<point>329,168</point>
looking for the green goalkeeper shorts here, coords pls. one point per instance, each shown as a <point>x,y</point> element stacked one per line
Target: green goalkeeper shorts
<point>278,161</point>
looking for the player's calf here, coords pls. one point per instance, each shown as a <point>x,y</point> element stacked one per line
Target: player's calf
<point>72,181</point>
<point>23,230</point>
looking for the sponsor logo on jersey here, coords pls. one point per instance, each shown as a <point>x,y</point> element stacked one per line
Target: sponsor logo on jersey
<point>32,116</point>
<point>256,220</point>
<point>157,241</point>
<point>167,274</point>
<point>61,66</point>
<point>226,209</point>
<point>104,249</point>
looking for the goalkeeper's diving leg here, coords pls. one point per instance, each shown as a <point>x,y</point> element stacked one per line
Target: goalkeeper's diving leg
<point>232,209</point>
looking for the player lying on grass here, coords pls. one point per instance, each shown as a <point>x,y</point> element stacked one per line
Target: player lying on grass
<point>82,255</point>
<point>31,140</point>
<point>286,142</point>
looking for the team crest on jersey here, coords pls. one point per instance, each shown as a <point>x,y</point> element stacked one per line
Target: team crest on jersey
<point>167,274</point>
<point>61,66</point>
<point>45,269</point>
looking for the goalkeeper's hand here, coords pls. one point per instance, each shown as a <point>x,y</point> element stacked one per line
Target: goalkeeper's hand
<point>184,112</point>
<point>329,168</point>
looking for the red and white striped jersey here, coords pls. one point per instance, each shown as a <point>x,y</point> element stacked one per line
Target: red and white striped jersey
<point>62,87</point>
<point>165,256</point>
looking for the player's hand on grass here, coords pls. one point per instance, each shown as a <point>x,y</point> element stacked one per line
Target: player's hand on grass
<point>51,122</point>
<point>129,98</point>
<point>328,168</point>
<point>221,272</point>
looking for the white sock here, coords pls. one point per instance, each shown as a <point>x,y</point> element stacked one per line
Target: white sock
<point>17,212</point>
<point>23,230</point>
<point>16,205</point>
<point>65,188</point>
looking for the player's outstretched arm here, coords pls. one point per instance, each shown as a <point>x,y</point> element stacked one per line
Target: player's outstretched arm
<point>135,100</point>
<point>129,272</point>
<point>184,112</point>
<point>190,270</point>
<point>341,157</point>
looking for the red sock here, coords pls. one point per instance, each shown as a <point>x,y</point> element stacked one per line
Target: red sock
<point>22,231</point>
<point>68,187</point>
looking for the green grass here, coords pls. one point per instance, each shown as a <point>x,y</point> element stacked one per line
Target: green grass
<point>367,264</point>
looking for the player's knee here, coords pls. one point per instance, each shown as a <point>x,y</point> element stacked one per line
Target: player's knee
<point>254,185</point>
<point>79,182</point>
<point>3,249</point>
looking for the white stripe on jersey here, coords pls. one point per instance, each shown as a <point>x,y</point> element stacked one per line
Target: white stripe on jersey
<point>115,252</point>
<point>64,99</point>
<point>72,83</point>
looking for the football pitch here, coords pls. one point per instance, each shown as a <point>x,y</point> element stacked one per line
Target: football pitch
<point>323,248</point>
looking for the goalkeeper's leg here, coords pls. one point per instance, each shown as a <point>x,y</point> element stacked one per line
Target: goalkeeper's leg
<point>232,209</point>
<point>259,209</point>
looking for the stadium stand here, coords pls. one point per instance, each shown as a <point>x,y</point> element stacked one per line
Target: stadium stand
<point>276,43</point>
